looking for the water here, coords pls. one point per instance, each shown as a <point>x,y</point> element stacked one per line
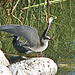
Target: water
<point>62,30</point>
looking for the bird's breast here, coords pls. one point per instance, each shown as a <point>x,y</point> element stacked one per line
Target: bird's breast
<point>40,48</point>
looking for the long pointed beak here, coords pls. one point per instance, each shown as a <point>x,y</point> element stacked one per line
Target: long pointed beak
<point>51,39</point>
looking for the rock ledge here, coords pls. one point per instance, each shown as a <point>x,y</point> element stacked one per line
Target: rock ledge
<point>34,66</point>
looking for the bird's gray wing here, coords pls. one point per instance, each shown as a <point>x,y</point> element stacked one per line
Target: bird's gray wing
<point>29,33</point>
<point>46,30</point>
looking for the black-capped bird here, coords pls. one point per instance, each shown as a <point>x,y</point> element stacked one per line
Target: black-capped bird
<point>35,43</point>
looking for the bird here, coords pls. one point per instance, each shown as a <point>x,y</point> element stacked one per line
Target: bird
<point>19,45</point>
<point>35,43</point>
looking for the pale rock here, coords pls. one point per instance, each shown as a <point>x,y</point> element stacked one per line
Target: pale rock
<point>3,59</point>
<point>4,70</point>
<point>34,66</point>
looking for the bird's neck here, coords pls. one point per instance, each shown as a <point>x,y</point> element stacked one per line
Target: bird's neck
<point>44,43</point>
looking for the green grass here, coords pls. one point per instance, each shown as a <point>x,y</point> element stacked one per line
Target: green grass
<point>61,29</point>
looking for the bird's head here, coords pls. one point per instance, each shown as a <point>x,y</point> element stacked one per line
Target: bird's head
<point>46,38</point>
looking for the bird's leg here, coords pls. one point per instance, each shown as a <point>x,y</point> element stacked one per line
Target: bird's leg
<point>37,55</point>
<point>42,54</point>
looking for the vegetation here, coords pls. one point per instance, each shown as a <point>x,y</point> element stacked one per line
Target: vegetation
<point>35,13</point>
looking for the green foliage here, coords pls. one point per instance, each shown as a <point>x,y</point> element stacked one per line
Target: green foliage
<point>62,29</point>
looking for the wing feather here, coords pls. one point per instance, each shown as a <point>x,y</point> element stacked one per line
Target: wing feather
<point>27,32</point>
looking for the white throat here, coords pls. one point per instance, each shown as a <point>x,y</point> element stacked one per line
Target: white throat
<point>45,45</point>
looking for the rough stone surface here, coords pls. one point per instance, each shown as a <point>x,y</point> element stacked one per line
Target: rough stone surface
<point>34,66</point>
<point>3,59</point>
<point>4,70</point>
